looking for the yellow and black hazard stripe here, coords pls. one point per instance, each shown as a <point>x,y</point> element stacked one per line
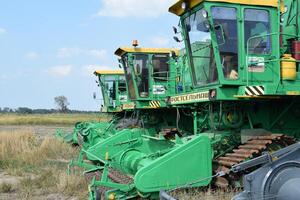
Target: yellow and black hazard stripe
<point>154,104</point>
<point>254,90</point>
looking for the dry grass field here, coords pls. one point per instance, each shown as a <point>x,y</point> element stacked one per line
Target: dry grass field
<point>34,169</point>
<point>198,194</point>
<point>49,119</point>
<point>33,163</point>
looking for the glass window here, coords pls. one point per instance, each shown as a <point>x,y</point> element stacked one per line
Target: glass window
<point>201,51</point>
<point>225,23</point>
<point>257,25</point>
<point>160,67</point>
<point>122,84</point>
<point>128,76</point>
<point>111,90</point>
<point>142,74</point>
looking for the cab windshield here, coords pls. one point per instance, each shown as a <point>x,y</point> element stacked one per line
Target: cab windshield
<point>200,49</point>
<point>141,71</point>
<point>128,76</point>
<point>110,84</point>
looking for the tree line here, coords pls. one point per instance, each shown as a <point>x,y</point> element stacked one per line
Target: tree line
<point>26,110</point>
<point>61,102</point>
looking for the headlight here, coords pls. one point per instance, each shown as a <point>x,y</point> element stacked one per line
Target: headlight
<point>204,13</point>
<point>285,8</point>
<point>183,5</point>
<point>207,24</point>
<point>212,94</point>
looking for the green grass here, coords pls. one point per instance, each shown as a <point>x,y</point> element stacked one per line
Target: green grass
<point>50,119</point>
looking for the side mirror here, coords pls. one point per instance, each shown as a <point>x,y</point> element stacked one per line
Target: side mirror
<point>120,66</point>
<point>175,30</point>
<point>177,39</point>
<point>220,34</point>
<point>173,54</point>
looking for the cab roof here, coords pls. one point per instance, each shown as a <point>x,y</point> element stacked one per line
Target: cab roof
<point>109,72</point>
<point>177,9</point>
<point>123,50</point>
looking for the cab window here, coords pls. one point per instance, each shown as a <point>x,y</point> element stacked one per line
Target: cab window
<point>225,23</point>
<point>128,76</point>
<point>122,85</point>
<point>200,49</point>
<point>142,74</point>
<point>257,26</point>
<point>160,67</point>
<point>110,88</point>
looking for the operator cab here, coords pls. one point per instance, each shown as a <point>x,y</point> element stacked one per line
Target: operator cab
<point>230,42</point>
<point>148,74</point>
<point>113,89</point>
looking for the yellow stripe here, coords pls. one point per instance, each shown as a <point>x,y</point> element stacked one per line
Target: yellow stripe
<point>122,50</point>
<point>151,104</point>
<point>177,9</point>
<point>154,104</point>
<point>109,72</point>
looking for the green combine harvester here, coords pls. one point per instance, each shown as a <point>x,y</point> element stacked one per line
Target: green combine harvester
<point>205,116</point>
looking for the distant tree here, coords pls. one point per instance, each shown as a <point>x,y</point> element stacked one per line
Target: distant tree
<point>24,110</point>
<point>6,109</point>
<point>62,103</point>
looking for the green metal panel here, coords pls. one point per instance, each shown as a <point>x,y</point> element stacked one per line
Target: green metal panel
<point>189,163</point>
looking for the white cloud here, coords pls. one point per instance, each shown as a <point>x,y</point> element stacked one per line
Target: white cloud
<point>96,53</point>
<point>135,8</point>
<point>68,52</point>
<point>88,70</point>
<point>31,55</point>
<point>3,31</point>
<point>60,70</point>
<point>75,51</point>
<point>160,41</point>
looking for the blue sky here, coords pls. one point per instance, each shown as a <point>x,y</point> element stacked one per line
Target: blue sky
<point>50,48</point>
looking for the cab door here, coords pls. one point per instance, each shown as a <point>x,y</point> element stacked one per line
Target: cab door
<point>259,45</point>
<point>160,75</point>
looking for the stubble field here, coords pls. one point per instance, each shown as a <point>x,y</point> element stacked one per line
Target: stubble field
<point>33,163</point>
